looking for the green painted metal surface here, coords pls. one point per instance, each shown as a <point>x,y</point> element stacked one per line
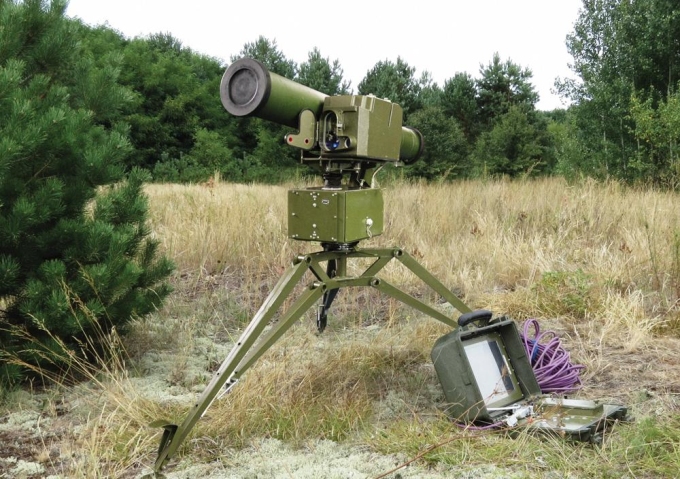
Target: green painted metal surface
<point>362,127</point>
<point>487,377</point>
<point>249,89</point>
<point>347,136</point>
<point>335,216</point>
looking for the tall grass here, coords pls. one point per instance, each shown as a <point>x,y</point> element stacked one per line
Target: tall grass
<point>598,261</point>
<point>485,240</point>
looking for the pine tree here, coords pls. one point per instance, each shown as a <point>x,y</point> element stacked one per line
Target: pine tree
<point>76,254</point>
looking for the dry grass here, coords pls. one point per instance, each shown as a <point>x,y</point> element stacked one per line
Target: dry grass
<point>491,242</point>
<point>600,263</point>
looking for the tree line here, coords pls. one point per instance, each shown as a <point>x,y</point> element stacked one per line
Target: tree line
<point>625,121</point>
<point>180,132</point>
<point>622,123</point>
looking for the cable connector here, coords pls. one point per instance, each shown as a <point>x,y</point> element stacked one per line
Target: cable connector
<point>520,413</point>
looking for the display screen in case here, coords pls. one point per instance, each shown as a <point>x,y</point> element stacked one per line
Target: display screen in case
<point>493,374</point>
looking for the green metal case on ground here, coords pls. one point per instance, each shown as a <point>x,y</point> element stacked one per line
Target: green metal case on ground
<point>488,378</point>
<point>483,370</point>
<point>334,215</point>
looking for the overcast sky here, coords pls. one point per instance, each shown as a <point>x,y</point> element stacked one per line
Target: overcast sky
<point>438,36</point>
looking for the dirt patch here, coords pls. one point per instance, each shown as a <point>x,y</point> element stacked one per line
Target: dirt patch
<point>646,380</point>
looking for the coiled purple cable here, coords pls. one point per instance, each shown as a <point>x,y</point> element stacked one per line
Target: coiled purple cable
<point>551,363</point>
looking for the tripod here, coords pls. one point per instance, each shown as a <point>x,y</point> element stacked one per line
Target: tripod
<point>257,339</point>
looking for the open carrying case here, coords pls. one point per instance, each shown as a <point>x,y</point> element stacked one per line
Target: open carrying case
<point>488,379</point>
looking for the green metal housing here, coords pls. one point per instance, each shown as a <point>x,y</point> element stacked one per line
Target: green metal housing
<point>335,216</point>
<point>348,136</point>
<point>456,371</point>
<point>248,88</point>
<point>371,127</point>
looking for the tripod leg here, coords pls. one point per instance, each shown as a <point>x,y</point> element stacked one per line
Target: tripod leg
<point>174,435</point>
<point>427,277</point>
<point>409,300</point>
<point>268,339</point>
